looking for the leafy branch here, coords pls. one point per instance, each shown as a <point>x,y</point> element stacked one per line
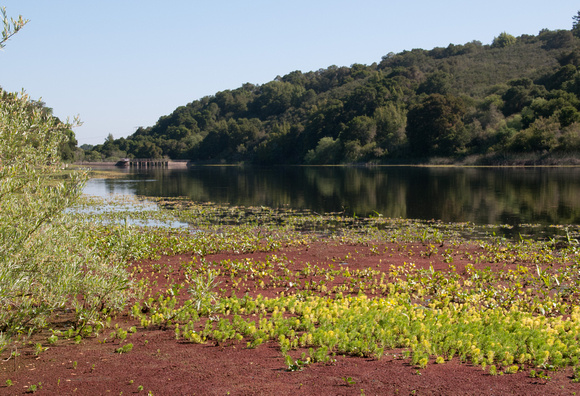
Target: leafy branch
<point>11,26</point>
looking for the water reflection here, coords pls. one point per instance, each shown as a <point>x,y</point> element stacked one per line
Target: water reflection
<point>480,195</point>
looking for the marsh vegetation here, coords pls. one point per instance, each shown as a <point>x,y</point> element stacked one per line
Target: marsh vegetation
<point>316,288</point>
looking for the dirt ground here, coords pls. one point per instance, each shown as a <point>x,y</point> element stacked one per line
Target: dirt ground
<point>161,365</point>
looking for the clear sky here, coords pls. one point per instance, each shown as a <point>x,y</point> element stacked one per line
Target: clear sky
<point>120,64</point>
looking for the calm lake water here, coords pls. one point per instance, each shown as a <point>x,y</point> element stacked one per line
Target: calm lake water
<point>511,196</point>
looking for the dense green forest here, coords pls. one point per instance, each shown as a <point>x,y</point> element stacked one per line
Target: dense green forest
<point>517,95</point>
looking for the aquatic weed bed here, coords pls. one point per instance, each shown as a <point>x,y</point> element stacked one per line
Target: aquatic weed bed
<point>249,300</point>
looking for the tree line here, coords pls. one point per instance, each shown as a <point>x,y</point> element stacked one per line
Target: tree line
<point>516,95</point>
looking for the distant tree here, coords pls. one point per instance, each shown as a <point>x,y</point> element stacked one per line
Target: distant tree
<point>67,147</point>
<point>148,150</point>
<point>391,120</point>
<point>215,142</point>
<point>327,152</point>
<point>557,39</point>
<point>351,152</point>
<point>437,82</point>
<point>576,25</point>
<point>364,100</point>
<point>503,40</point>
<point>518,96</point>
<point>361,128</point>
<point>327,121</point>
<point>570,58</point>
<point>542,135</point>
<point>569,140</point>
<point>93,156</point>
<point>568,115</point>
<point>435,126</point>
<point>565,74</point>
<point>277,97</point>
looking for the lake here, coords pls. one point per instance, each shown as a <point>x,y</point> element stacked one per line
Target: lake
<point>512,196</point>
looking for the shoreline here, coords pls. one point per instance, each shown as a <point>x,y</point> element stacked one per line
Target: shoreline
<point>479,161</point>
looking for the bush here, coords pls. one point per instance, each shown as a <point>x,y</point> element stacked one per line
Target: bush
<point>44,260</point>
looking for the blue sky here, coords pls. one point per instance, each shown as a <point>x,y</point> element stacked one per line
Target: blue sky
<point>124,63</point>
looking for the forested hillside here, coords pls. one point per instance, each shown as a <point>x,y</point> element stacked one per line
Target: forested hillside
<point>517,95</point>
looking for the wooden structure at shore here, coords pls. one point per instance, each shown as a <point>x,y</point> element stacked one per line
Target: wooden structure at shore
<point>146,163</point>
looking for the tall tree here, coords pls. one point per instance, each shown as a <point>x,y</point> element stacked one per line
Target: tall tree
<point>576,25</point>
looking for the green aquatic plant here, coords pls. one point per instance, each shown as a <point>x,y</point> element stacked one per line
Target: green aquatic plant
<point>34,388</point>
<point>124,349</point>
<point>201,288</point>
<point>38,348</point>
<point>52,339</point>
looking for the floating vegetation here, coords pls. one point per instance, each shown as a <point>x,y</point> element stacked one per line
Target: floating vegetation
<point>504,304</point>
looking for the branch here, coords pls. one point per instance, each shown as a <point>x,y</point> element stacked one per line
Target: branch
<point>11,27</point>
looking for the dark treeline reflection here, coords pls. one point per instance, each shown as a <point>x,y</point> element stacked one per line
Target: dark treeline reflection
<point>480,195</point>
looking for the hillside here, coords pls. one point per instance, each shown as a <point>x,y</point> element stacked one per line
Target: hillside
<point>517,95</point>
